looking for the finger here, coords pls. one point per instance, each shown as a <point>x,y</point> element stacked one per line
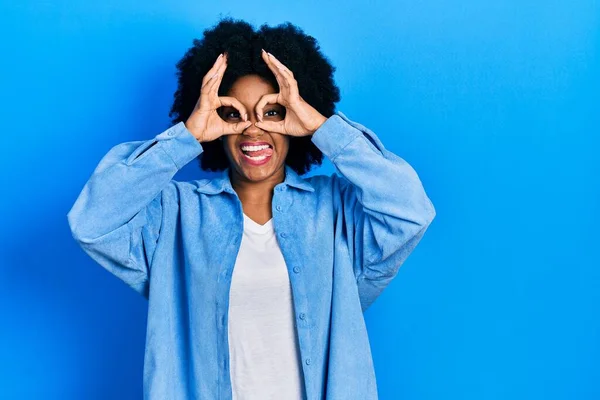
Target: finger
<point>290,81</point>
<point>212,80</point>
<point>281,79</point>
<point>270,98</point>
<point>285,71</point>
<point>283,74</point>
<point>207,83</point>
<point>235,103</point>
<point>213,86</point>
<point>236,128</point>
<point>280,65</point>
<point>221,72</point>
<point>207,79</point>
<point>272,126</point>
<point>211,72</point>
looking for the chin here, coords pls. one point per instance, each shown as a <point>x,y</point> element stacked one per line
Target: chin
<point>256,173</point>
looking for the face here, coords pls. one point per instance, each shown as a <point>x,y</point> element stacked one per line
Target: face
<point>255,164</point>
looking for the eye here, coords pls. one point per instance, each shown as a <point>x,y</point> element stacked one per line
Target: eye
<point>274,113</point>
<point>232,114</point>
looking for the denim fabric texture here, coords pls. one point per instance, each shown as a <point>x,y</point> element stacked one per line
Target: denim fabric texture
<point>343,238</point>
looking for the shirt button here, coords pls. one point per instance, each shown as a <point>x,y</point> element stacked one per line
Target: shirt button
<point>278,208</point>
<point>307,361</point>
<point>302,315</point>
<point>171,133</point>
<point>283,234</point>
<point>296,269</point>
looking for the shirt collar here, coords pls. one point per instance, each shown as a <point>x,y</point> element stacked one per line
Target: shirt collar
<point>221,182</point>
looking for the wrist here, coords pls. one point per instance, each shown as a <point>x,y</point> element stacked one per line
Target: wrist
<point>194,132</point>
<point>320,121</point>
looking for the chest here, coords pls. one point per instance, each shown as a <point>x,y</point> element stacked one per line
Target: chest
<point>303,226</point>
<point>260,214</point>
<point>260,277</point>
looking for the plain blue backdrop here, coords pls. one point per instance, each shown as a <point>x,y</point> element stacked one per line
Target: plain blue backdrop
<point>495,104</point>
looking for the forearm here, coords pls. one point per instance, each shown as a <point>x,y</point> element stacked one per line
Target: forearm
<point>389,189</point>
<point>127,178</point>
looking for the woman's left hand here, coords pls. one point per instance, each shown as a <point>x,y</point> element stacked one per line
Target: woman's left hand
<point>301,119</point>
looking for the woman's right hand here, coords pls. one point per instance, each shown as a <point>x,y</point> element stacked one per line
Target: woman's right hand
<point>204,122</point>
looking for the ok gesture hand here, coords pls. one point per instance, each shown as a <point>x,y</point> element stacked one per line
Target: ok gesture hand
<point>204,122</point>
<point>301,119</point>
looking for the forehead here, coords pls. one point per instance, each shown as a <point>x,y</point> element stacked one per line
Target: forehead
<point>250,88</point>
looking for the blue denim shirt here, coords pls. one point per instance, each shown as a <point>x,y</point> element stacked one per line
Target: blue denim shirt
<point>343,238</point>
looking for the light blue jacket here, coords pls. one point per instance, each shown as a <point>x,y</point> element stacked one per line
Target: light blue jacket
<point>343,238</point>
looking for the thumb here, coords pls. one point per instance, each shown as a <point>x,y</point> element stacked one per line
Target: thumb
<point>238,127</point>
<point>272,126</point>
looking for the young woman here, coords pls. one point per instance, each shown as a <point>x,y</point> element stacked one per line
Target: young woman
<point>257,279</point>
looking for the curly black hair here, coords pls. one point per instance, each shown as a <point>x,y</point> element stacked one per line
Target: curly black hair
<point>297,50</point>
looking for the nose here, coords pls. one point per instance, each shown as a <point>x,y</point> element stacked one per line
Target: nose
<point>253,130</point>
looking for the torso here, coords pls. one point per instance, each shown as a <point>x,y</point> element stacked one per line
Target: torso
<point>265,360</point>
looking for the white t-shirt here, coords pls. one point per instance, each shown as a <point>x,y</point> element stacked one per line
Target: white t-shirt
<point>263,346</point>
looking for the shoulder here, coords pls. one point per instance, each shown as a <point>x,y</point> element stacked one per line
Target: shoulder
<point>333,183</point>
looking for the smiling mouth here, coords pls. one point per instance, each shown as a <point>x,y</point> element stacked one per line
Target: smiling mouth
<point>256,151</point>
<point>256,154</point>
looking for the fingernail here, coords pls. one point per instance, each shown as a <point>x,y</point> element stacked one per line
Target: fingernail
<point>270,55</point>
<point>263,50</point>
<point>245,117</point>
<point>220,55</point>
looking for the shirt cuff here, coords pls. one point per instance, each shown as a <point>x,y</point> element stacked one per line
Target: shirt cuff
<point>338,131</point>
<point>179,143</point>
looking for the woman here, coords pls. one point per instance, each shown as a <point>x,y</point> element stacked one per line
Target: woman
<point>257,279</point>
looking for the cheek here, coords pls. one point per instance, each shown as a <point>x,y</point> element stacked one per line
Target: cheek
<point>228,147</point>
<point>283,146</point>
<point>286,149</point>
<point>229,150</point>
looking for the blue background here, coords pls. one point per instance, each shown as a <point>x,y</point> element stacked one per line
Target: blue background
<point>495,104</point>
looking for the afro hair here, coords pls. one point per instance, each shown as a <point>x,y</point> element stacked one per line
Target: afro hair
<point>298,51</point>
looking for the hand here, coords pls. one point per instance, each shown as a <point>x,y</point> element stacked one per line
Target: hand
<point>301,119</point>
<point>204,122</point>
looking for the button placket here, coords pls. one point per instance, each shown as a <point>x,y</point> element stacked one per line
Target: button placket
<point>281,203</point>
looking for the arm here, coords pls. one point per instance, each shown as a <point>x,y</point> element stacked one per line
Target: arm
<point>117,217</point>
<point>384,205</point>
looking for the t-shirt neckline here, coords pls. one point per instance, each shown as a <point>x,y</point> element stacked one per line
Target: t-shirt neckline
<point>255,227</point>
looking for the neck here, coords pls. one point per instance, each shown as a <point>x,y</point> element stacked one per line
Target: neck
<point>253,192</point>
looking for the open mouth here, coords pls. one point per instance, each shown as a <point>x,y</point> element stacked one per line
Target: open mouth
<point>260,153</point>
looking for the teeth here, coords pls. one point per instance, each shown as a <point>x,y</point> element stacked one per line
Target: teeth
<point>254,148</point>
<point>257,158</point>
